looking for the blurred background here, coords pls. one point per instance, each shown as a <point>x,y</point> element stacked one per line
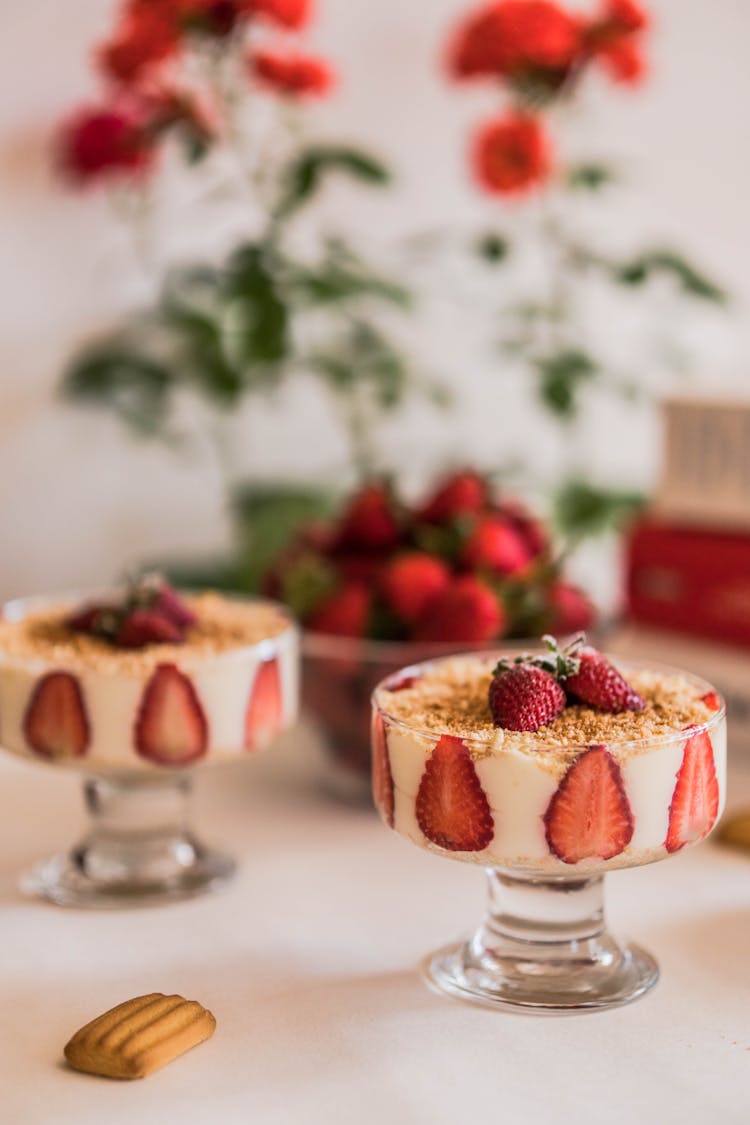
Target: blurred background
<point>81,495</point>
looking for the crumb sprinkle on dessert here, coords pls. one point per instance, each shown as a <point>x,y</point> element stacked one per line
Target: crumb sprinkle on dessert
<point>221,625</point>
<point>452,698</point>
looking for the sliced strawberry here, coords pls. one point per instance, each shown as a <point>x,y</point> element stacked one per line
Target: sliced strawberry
<point>452,808</point>
<point>171,727</point>
<point>382,779</point>
<point>712,699</point>
<point>147,627</point>
<point>589,817</point>
<point>55,723</point>
<point>265,706</point>
<point>695,800</point>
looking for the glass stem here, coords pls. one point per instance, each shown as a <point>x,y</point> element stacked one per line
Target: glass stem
<point>528,909</point>
<point>138,831</point>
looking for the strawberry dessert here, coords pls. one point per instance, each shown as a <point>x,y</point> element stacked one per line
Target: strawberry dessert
<point>133,688</point>
<point>144,679</point>
<point>550,769</point>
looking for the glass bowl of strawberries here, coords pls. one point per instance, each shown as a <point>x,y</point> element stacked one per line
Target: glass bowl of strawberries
<point>388,583</point>
<point>549,769</point>
<point>136,688</point>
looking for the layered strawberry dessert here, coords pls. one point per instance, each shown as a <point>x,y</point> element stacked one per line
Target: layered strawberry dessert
<point>552,763</point>
<point>144,678</point>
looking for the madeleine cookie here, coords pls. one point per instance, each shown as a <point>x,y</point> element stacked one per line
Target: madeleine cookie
<point>139,1036</point>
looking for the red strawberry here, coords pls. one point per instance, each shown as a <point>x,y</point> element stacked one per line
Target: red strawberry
<point>532,531</point>
<point>589,817</point>
<point>570,608</point>
<point>452,808</point>
<point>466,612</point>
<point>169,604</point>
<point>460,494</point>
<point>496,545</point>
<point>695,800</point>
<point>344,614</point>
<point>712,699</point>
<point>55,723</point>
<point>171,727</point>
<point>412,581</point>
<point>524,697</point>
<point>369,520</point>
<point>382,779</point>
<point>88,618</point>
<point>598,683</point>
<point>265,708</point>
<point>147,627</point>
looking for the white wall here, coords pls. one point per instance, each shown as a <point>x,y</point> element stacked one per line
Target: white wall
<point>77,497</point>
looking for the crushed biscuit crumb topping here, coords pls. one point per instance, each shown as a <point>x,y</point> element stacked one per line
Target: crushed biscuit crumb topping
<point>223,625</point>
<point>452,698</point>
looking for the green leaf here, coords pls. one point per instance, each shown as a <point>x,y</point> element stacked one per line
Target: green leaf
<point>561,376</point>
<point>581,509</point>
<point>260,317</point>
<point>672,264</point>
<point>589,176</point>
<point>493,247</point>
<point>133,384</point>
<point>200,353</point>
<point>332,282</point>
<point>304,174</point>
<point>265,519</point>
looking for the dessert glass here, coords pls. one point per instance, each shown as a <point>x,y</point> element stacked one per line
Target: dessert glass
<point>543,944</point>
<point>140,848</point>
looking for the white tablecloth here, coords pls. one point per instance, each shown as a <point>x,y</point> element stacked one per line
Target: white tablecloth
<point>309,962</point>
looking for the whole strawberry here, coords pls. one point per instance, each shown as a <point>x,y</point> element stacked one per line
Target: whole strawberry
<point>467,612</point>
<point>460,494</point>
<point>598,683</point>
<point>524,696</point>
<point>411,581</point>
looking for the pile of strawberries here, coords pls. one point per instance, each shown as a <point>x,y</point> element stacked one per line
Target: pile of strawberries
<point>531,691</point>
<point>459,567</point>
<point>148,612</point>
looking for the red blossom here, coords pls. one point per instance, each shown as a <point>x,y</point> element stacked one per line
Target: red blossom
<point>292,14</point>
<point>145,39</point>
<point>99,142</point>
<point>510,37</point>
<point>623,60</point>
<point>625,15</point>
<point>292,75</point>
<point>511,154</point>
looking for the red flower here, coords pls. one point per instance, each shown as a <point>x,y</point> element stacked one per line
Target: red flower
<point>295,76</point>
<point>287,13</point>
<point>511,154</point>
<point>625,15</point>
<point>623,60</point>
<point>147,37</point>
<point>213,17</point>
<point>100,142</point>
<point>510,37</point>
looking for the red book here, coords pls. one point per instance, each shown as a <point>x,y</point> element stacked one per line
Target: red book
<point>691,580</point>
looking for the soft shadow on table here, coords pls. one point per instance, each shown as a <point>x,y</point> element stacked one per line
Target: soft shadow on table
<point>714,944</point>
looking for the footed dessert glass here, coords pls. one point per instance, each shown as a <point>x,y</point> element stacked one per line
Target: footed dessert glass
<point>138,724</point>
<point>547,824</point>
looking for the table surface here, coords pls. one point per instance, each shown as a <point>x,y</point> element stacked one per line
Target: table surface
<point>309,962</point>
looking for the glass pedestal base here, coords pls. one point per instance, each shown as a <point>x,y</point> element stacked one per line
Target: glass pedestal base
<point>543,947</point>
<point>138,852</point>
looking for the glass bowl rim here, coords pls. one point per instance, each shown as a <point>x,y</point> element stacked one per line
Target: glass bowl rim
<point>621,743</point>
